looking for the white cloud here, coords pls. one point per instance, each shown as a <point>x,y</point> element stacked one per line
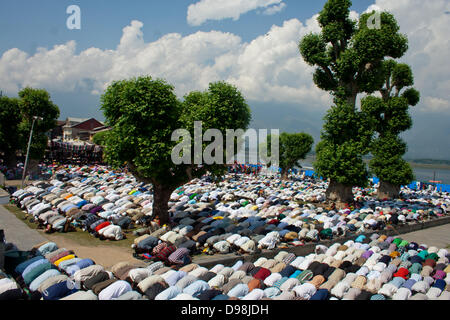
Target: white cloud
<point>266,69</point>
<point>436,104</point>
<point>274,9</point>
<point>204,10</point>
<point>269,68</point>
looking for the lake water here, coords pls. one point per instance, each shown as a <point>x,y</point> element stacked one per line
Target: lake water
<point>421,174</point>
<point>427,174</point>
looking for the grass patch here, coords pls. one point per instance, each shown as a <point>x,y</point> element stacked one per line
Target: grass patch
<point>79,236</point>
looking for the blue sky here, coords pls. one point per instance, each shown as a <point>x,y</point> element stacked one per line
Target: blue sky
<point>30,24</point>
<point>254,50</point>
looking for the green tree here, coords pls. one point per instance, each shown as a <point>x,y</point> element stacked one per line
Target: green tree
<point>143,113</point>
<point>391,117</point>
<point>10,119</point>
<point>293,147</point>
<point>348,58</point>
<point>16,117</point>
<point>100,138</point>
<point>36,102</point>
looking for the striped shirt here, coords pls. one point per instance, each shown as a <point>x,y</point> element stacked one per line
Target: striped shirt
<point>164,254</point>
<point>177,257</point>
<point>278,283</point>
<point>155,266</point>
<point>157,249</point>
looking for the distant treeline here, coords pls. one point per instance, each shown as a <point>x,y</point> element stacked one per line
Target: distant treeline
<point>434,162</point>
<point>430,161</point>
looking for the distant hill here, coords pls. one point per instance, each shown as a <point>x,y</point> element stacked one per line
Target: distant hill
<point>430,161</point>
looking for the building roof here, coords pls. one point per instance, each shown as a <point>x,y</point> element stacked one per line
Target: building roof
<point>77,120</point>
<point>88,124</point>
<point>102,128</point>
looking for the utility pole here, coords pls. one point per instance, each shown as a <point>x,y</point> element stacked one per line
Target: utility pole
<point>28,149</point>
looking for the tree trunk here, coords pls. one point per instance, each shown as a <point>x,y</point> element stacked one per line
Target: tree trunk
<point>161,196</point>
<point>388,191</point>
<point>284,174</point>
<point>33,169</point>
<point>339,192</point>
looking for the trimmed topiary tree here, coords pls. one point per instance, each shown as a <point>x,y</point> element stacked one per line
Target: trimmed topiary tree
<point>348,58</point>
<point>390,117</point>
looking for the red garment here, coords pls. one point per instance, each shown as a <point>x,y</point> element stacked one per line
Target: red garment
<point>102,225</point>
<point>429,262</point>
<point>403,273</point>
<point>159,247</point>
<point>262,274</point>
<point>164,254</point>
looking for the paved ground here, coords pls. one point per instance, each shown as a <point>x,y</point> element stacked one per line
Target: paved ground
<point>437,236</point>
<point>25,238</point>
<point>13,183</point>
<point>18,232</point>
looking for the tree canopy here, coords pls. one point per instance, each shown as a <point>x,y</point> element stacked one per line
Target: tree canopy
<point>390,118</point>
<point>144,113</point>
<point>348,57</point>
<point>37,102</point>
<point>293,147</point>
<point>100,138</point>
<point>16,117</point>
<point>10,119</point>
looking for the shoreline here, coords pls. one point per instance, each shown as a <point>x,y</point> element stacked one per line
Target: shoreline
<point>430,166</point>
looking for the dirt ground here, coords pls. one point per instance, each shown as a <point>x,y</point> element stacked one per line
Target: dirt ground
<point>107,256</point>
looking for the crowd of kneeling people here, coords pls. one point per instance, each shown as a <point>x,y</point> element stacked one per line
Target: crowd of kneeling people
<point>242,214</point>
<point>365,268</point>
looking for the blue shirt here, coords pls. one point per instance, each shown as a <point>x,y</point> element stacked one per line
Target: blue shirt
<point>169,293</point>
<point>68,207</point>
<point>33,265</point>
<point>59,290</point>
<point>64,264</point>
<point>239,290</point>
<point>78,266</point>
<point>272,292</point>
<point>296,274</point>
<point>196,288</point>
<point>237,265</point>
<point>21,267</point>
<point>81,203</point>
<point>175,277</point>
<point>47,248</point>
<point>46,275</point>
<point>398,281</point>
